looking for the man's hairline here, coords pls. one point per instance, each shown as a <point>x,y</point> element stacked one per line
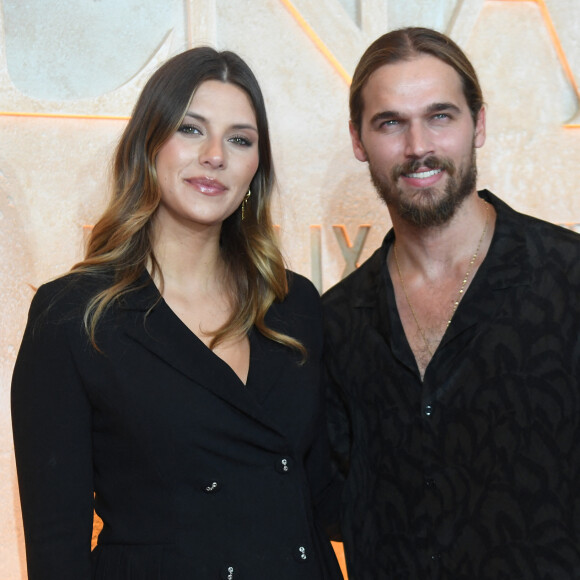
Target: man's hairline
<point>414,55</point>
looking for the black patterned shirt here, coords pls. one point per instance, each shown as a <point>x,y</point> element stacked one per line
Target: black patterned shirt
<point>474,472</point>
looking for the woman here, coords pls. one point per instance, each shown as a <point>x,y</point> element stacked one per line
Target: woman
<point>171,381</point>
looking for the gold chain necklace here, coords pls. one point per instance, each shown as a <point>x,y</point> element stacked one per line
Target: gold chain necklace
<point>461,289</point>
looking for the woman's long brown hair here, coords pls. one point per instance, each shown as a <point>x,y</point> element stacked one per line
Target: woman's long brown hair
<point>121,241</point>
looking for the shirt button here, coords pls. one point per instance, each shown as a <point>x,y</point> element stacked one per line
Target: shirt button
<point>300,554</point>
<point>283,465</point>
<point>227,573</point>
<point>211,487</point>
<point>428,410</point>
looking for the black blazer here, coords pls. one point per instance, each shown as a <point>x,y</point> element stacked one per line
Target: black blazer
<point>194,474</point>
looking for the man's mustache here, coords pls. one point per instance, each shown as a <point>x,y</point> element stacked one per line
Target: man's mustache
<point>432,162</point>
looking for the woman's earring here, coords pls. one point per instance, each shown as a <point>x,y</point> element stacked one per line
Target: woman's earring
<point>245,203</point>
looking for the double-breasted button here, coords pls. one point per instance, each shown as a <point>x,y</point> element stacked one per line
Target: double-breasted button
<point>283,465</point>
<point>228,573</point>
<point>211,487</point>
<point>301,554</point>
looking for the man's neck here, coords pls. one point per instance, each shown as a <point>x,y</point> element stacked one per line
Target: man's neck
<point>432,269</point>
<point>435,251</point>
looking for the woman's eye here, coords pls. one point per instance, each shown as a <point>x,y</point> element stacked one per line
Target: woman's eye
<point>239,140</point>
<point>189,130</point>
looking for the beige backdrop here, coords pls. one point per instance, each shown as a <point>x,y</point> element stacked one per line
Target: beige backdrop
<point>81,64</point>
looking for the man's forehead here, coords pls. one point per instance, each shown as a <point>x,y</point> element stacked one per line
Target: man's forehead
<point>410,84</point>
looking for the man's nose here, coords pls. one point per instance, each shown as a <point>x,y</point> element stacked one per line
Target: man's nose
<point>418,142</point>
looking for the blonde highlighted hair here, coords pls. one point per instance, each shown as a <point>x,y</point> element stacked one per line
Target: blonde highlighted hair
<point>121,241</point>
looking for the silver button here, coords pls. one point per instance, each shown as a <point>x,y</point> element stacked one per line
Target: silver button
<point>428,410</point>
<point>283,465</point>
<point>227,573</point>
<point>301,553</point>
<point>211,487</point>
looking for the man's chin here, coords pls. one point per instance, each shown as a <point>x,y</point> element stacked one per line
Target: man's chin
<point>426,217</point>
<point>428,207</point>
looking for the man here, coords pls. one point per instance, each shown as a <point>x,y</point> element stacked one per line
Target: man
<point>453,353</point>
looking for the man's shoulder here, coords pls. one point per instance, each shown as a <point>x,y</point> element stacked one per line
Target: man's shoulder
<point>531,223</point>
<point>546,241</point>
<point>552,237</point>
<point>358,284</point>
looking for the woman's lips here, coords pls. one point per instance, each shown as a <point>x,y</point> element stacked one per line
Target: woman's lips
<point>206,185</point>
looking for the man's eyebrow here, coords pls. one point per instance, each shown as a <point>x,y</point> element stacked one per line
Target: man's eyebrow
<point>385,115</point>
<point>438,107</point>
<point>433,108</point>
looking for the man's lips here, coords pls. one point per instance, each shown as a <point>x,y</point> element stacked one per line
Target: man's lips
<point>207,185</point>
<point>426,177</point>
<point>423,174</point>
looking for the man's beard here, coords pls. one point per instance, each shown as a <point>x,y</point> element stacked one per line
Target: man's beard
<point>430,210</point>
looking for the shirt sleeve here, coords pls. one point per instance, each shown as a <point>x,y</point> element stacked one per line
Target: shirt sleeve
<point>51,417</point>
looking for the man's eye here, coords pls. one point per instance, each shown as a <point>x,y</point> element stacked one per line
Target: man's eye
<point>389,123</point>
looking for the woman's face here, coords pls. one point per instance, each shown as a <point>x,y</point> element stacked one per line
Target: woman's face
<point>205,168</point>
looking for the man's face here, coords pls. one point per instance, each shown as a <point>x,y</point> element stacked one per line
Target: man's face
<point>418,136</point>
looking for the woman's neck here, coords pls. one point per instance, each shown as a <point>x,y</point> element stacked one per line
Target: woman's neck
<point>190,259</point>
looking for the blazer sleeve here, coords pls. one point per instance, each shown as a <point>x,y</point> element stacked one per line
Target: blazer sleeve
<point>325,483</point>
<point>51,418</point>
<point>335,363</point>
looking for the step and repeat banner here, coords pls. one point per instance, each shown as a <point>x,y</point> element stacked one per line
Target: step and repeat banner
<point>71,71</point>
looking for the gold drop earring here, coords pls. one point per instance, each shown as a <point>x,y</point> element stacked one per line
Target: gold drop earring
<point>245,203</point>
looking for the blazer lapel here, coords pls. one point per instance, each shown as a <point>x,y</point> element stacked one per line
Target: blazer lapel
<point>268,361</point>
<point>157,328</point>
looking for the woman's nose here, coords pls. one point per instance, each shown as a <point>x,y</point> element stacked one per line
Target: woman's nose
<point>212,154</point>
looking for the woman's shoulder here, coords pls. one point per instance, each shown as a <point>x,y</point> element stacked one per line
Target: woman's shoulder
<point>302,294</point>
<point>301,313</point>
<point>302,303</point>
<point>301,287</point>
<point>67,296</point>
